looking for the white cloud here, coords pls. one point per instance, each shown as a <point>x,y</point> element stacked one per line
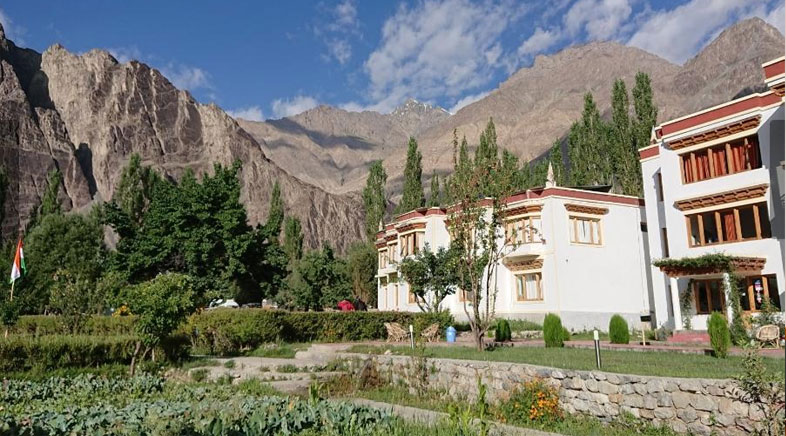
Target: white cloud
<point>467,100</point>
<point>12,31</point>
<point>288,107</point>
<point>343,25</point>
<point>679,33</point>
<point>437,49</point>
<point>600,19</point>
<point>187,77</point>
<point>340,50</point>
<point>540,41</point>
<point>251,113</point>
<point>777,17</point>
<point>125,54</point>
<point>346,14</point>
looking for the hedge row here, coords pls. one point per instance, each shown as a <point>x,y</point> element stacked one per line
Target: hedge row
<point>230,331</point>
<point>41,325</point>
<point>26,352</point>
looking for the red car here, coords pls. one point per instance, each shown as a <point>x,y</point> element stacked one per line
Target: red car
<point>345,306</point>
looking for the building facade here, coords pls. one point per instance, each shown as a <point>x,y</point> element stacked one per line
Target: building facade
<point>580,254</point>
<point>713,183</point>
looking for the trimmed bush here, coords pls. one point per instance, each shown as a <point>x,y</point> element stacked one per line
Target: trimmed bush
<point>231,331</point>
<point>23,352</point>
<point>565,334</point>
<point>41,325</point>
<point>720,337</point>
<point>553,332</point>
<point>618,330</point>
<point>502,332</point>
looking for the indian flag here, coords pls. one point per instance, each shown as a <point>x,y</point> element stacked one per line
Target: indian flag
<point>18,267</point>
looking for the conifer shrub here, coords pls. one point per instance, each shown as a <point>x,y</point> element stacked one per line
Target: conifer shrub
<point>553,332</point>
<point>618,330</point>
<point>720,337</point>
<point>502,332</point>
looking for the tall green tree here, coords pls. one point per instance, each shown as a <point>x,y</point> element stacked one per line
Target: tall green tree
<point>645,109</point>
<point>322,280</point>
<point>509,172</point>
<point>590,160</point>
<point>487,156</point>
<point>293,239</point>
<point>431,276</point>
<point>557,163</point>
<point>624,153</point>
<point>435,196</point>
<point>362,270</point>
<point>374,203</point>
<point>3,192</point>
<point>275,218</point>
<point>412,197</point>
<point>134,190</point>
<point>50,205</point>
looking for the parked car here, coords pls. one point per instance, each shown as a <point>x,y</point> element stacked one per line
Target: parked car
<point>219,302</point>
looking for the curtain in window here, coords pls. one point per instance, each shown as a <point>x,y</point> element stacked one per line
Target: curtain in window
<point>519,288</point>
<point>585,230</point>
<point>737,158</point>
<point>703,166</point>
<point>532,287</point>
<point>751,156</point>
<point>719,158</point>
<point>687,169</point>
<point>729,226</point>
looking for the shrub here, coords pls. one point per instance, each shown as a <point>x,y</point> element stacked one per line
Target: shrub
<point>618,330</point>
<point>199,375</point>
<point>565,334</point>
<point>720,337</point>
<point>533,402</point>
<point>553,332</point>
<point>232,331</point>
<point>95,325</point>
<point>502,332</point>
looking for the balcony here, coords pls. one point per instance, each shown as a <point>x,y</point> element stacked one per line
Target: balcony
<point>522,251</point>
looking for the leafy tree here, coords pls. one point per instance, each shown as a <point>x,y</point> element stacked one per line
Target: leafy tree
<point>275,217</point>
<point>509,171</point>
<point>435,197</point>
<point>557,163</point>
<point>374,198</point>
<point>362,269</point>
<point>72,243</point>
<point>3,192</point>
<point>590,163</point>
<point>762,389</point>
<point>71,296</point>
<point>431,276</point>
<point>625,156</point>
<point>487,157</point>
<point>412,197</point>
<point>50,205</point>
<point>645,109</point>
<point>160,305</point>
<point>293,239</point>
<point>322,280</point>
<point>134,190</point>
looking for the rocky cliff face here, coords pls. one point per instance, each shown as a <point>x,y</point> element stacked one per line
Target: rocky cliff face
<point>86,114</point>
<point>535,106</point>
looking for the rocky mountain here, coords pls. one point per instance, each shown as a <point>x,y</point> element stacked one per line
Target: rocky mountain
<point>86,114</point>
<point>332,148</point>
<point>531,109</point>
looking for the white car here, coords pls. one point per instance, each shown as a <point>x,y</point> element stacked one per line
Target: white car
<point>223,303</point>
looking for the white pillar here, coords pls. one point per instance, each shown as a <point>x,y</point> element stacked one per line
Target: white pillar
<point>729,296</point>
<point>675,303</point>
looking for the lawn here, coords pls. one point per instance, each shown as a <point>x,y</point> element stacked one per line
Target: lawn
<point>281,350</point>
<point>624,362</point>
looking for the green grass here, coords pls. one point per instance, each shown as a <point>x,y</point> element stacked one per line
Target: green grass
<point>288,368</point>
<point>38,374</point>
<point>198,362</point>
<point>282,350</point>
<point>625,362</point>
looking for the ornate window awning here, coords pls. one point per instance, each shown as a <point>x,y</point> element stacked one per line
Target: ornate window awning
<point>523,263</point>
<point>580,208</point>
<point>739,264</point>
<point>722,198</point>
<point>720,132</point>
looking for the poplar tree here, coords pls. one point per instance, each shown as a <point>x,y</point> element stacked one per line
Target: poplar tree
<point>588,147</point>
<point>374,198</point>
<point>413,196</point>
<point>293,239</point>
<point>275,218</point>
<point>557,163</point>
<point>487,156</point>
<point>435,198</point>
<point>624,151</point>
<point>509,170</point>
<point>646,111</point>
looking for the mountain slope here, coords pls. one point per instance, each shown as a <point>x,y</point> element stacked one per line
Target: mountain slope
<point>86,114</point>
<point>537,105</point>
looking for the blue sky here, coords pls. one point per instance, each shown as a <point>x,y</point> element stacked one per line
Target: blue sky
<point>268,59</point>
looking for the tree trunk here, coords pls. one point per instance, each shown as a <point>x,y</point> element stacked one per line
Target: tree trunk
<point>478,334</point>
<point>133,358</point>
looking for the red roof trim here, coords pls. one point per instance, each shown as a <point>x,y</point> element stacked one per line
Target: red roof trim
<point>649,152</point>
<point>773,70</point>
<point>574,193</point>
<point>734,107</point>
<point>418,213</point>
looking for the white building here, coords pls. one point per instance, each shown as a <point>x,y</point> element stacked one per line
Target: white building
<point>713,182</point>
<point>585,258</point>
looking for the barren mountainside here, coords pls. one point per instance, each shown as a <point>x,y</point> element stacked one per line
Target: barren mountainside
<point>86,114</point>
<point>532,108</point>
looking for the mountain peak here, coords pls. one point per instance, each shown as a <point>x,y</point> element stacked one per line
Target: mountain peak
<point>412,107</point>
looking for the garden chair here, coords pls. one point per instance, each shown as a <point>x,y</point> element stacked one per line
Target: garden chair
<point>768,334</point>
<point>396,333</point>
<point>431,333</point>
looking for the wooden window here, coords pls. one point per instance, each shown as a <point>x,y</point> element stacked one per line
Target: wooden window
<point>659,182</point>
<point>757,289</point>
<point>728,225</point>
<point>411,298</point>
<point>585,230</point>
<point>528,287</point>
<point>464,295</point>
<point>664,235</point>
<point>729,158</point>
<point>709,295</point>
<point>383,258</point>
<point>411,243</point>
<point>524,230</point>
<point>392,253</point>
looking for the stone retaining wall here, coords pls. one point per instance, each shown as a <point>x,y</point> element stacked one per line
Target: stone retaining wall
<point>701,406</point>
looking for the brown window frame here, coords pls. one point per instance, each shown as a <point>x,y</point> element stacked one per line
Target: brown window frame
<point>659,181</point>
<point>750,292</point>
<point>664,234</point>
<point>523,227</point>
<point>722,293</point>
<point>691,159</point>
<point>574,239</point>
<point>521,277</point>
<point>758,215</point>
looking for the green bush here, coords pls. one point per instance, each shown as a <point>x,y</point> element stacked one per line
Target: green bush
<point>618,330</point>
<point>720,337</point>
<point>24,353</point>
<point>553,332</point>
<point>502,332</point>
<point>41,325</point>
<point>534,402</point>
<point>565,334</point>
<point>232,331</point>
